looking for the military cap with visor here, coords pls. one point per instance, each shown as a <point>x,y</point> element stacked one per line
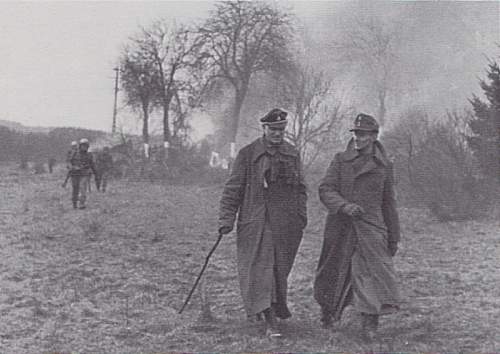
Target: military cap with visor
<point>365,122</point>
<point>275,118</point>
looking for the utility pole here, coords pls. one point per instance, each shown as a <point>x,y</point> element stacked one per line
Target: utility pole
<point>113,127</point>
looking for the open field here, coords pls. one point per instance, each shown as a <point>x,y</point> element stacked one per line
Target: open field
<point>111,279</point>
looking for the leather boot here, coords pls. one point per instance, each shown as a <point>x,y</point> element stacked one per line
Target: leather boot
<point>369,325</point>
<point>272,329</point>
<point>326,318</point>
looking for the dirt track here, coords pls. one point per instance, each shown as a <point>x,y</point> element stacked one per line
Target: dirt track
<point>110,279</point>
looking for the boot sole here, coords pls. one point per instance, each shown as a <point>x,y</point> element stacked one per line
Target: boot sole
<point>274,334</point>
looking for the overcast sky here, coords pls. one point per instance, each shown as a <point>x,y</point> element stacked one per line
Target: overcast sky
<point>57,57</point>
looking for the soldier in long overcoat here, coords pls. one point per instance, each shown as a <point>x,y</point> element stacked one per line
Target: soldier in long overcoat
<point>266,190</point>
<point>361,232</point>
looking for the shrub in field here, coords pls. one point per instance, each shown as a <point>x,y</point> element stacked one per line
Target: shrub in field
<point>184,165</point>
<point>443,177</point>
<point>435,167</point>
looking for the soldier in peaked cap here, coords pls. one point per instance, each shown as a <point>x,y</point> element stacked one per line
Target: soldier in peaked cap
<point>361,232</point>
<point>267,194</point>
<point>365,122</point>
<point>82,166</point>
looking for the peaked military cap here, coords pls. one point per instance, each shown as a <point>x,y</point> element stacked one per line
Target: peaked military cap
<point>365,122</point>
<point>275,117</point>
<point>84,141</point>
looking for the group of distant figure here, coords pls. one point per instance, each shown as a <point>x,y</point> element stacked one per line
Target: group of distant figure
<point>81,166</point>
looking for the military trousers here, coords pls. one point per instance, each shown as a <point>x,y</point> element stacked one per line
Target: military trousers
<point>80,186</point>
<point>103,178</point>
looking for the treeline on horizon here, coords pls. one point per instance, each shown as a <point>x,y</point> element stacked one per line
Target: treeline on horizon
<point>16,146</point>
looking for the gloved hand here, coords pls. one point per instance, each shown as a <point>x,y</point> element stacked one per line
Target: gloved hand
<point>393,248</point>
<point>303,220</point>
<point>353,209</point>
<point>224,230</point>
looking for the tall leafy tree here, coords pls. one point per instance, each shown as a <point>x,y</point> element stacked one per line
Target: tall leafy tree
<point>485,141</point>
<point>243,38</point>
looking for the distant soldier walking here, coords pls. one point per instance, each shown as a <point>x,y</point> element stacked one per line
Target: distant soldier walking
<point>82,166</point>
<point>361,232</point>
<point>69,155</point>
<point>104,166</point>
<point>267,191</point>
<point>51,163</point>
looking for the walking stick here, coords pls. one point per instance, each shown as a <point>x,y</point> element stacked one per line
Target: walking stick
<point>201,273</point>
<point>371,223</point>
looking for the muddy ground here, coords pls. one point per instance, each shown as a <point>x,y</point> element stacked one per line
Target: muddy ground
<point>111,278</point>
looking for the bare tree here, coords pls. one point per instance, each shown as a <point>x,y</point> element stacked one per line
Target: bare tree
<point>173,50</point>
<point>190,96</point>
<point>410,138</point>
<point>140,82</point>
<point>315,111</point>
<point>406,140</point>
<point>241,39</point>
<point>435,165</point>
<point>369,48</point>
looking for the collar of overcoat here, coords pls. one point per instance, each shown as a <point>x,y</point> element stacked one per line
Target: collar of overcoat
<point>260,149</point>
<point>379,155</point>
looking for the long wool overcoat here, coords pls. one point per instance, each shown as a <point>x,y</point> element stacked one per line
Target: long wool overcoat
<point>271,216</point>
<point>355,266</point>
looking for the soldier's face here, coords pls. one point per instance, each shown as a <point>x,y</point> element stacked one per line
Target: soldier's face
<point>363,139</point>
<point>274,135</point>
<point>84,147</point>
